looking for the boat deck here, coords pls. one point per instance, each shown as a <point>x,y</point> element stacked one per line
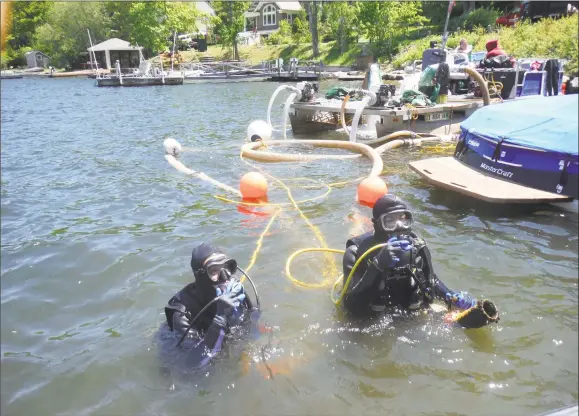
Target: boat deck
<point>324,115</point>
<point>449,173</point>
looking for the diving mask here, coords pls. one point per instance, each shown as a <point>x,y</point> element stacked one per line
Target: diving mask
<point>219,267</point>
<point>398,220</point>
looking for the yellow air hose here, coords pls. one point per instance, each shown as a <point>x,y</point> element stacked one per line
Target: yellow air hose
<point>318,285</point>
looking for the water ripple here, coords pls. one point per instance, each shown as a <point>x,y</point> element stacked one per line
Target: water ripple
<point>97,232</point>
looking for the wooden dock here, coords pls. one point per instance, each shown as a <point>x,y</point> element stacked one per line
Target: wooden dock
<point>448,173</point>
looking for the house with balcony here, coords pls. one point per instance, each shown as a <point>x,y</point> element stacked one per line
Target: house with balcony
<point>264,17</point>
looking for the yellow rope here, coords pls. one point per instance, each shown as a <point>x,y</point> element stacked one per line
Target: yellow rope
<point>328,190</point>
<point>259,242</point>
<point>413,111</point>
<point>299,282</point>
<point>333,270</point>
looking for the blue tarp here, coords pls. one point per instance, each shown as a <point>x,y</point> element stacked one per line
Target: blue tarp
<point>548,123</point>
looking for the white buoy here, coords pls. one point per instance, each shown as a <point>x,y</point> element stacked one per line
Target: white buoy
<point>259,128</point>
<point>172,147</point>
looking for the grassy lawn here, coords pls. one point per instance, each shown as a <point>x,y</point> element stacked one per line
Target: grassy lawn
<point>329,53</point>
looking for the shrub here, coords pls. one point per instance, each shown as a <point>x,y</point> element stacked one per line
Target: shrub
<point>482,17</point>
<point>548,38</point>
<point>300,32</point>
<point>282,36</point>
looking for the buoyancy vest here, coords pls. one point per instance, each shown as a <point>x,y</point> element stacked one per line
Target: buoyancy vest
<point>417,264</point>
<point>188,301</point>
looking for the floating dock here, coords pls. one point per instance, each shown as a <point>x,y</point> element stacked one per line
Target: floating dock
<point>138,81</point>
<point>324,115</point>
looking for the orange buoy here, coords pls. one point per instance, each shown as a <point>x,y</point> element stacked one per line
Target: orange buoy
<point>370,190</point>
<point>253,185</point>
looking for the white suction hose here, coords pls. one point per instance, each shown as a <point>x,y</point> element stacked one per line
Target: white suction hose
<point>274,95</point>
<point>357,116</point>
<point>286,109</point>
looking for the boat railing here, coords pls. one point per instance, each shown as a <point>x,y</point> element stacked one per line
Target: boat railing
<point>293,68</point>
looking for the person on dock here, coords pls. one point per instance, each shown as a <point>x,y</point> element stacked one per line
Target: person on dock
<point>207,309</point>
<point>463,47</point>
<point>400,274</point>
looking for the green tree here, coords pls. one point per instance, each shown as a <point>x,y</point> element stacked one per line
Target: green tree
<point>64,36</point>
<point>25,18</point>
<point>229,21</point>
<point>152,24</point>
<point>118,12</point>
<point>313,13</point>
<point>342,19</point>
<point>386,22</point>
<point>300,31</point>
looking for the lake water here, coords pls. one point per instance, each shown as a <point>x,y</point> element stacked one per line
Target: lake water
<point>97,233</point>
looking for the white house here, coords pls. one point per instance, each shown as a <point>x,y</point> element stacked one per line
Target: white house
<point>264,17</point>
<point>203,22</point>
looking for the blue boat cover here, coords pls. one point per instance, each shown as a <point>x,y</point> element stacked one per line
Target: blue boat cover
<point>548,123</point>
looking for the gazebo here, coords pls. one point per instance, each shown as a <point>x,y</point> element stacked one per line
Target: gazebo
<point>109,51</point>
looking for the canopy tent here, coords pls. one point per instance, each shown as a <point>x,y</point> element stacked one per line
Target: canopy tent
<point>119,49</point>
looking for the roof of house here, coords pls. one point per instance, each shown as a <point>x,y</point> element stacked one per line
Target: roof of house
<point>114,44</point>
<point>36,52</point>
<point>284,6</point>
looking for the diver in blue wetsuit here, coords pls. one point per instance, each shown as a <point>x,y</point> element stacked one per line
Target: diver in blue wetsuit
<point>401,274</point>
<point>208,308</point>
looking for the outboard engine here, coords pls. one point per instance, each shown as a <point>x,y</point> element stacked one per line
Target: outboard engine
<point>308,91</point>
<point>384,93</point>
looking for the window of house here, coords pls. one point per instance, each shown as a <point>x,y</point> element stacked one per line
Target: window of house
<point>290,19</point>
<point>269,15</point>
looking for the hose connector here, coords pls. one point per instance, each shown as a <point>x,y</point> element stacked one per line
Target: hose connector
<point>294,89</point>
<point>367,93</point>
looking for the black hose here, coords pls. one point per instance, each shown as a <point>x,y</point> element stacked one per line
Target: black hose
<point>253,286</point>
<point>194,319</point>
<point>215,300</point>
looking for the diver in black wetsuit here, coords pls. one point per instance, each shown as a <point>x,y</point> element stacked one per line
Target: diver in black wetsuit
<point>400,274</point>
<point>214,277</point>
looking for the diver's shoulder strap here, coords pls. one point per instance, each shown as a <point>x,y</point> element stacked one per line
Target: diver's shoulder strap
<point>358,240</point>
<point>417,241</point>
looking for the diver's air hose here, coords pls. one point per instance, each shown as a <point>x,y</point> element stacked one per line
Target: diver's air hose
<point>195,318</point>
<point>253,286</point>
<point>215,300</point>
<point>320,285</point>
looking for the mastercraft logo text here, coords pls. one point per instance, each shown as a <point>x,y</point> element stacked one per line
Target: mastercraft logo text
<point>497,171</point>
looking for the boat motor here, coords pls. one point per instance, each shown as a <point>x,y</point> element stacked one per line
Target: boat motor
<point>308,90</point>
